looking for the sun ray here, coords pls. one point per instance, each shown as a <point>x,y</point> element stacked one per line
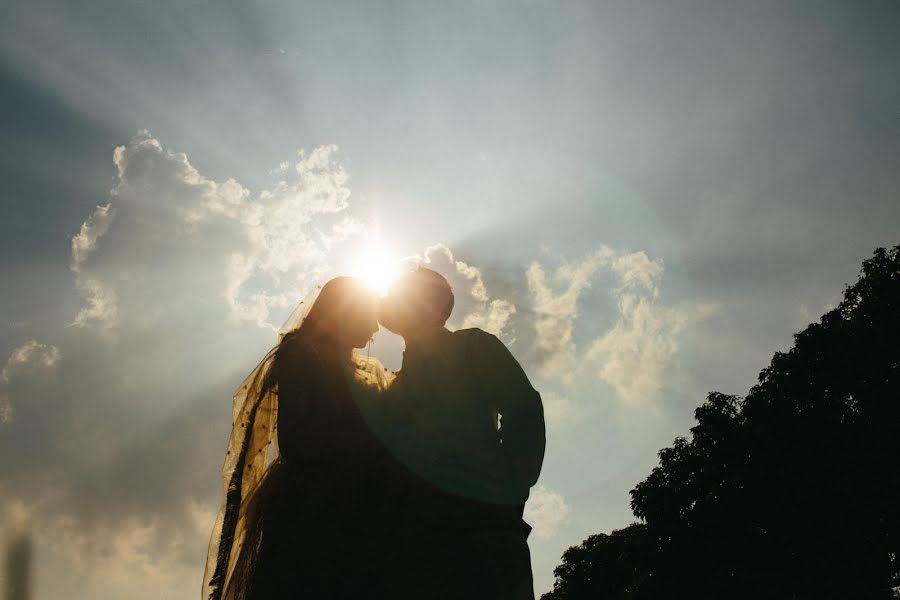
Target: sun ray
<point>377,267</point>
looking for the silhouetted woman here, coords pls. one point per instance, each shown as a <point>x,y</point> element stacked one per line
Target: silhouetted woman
<point>305,511</point>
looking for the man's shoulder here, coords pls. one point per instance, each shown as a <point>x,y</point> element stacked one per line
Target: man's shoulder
<point>488,357</point>
<point>480,341</point>
<point>477,334</point>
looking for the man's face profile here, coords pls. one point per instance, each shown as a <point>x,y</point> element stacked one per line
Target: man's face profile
<point>415,300</point>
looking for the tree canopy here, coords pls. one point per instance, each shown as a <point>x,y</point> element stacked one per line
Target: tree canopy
<point>792,491</point>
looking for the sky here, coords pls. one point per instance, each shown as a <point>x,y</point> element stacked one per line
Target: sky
<point>644,201</point>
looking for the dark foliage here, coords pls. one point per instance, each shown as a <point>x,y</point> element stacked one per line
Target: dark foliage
<point>790,492</point>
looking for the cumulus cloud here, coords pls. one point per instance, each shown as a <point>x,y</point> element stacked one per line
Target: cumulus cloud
<point>289,240</point>
<point>545,511</point>
<point>183,278</point>
<point>138,557</point>
<point>31,354</point>
<point>170,224</point>
<point>473,306</point>
<point>115,489</point>
<point>637,271</point>
<point>555,304</point>
<point>632,355</point>
<point>30,358</point>
<point>85,241</point>
<point>101,304</point>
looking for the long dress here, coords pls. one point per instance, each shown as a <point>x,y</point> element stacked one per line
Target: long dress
<point>319,520</point>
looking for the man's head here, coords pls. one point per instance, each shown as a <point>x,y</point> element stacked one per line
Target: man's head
<point>417,300</point>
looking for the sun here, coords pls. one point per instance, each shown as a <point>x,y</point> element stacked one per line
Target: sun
<point>377,267</point>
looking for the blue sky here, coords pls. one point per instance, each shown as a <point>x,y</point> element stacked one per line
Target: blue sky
<point>644,200</point>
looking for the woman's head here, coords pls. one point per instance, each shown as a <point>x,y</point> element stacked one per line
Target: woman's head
<point>343,312</point>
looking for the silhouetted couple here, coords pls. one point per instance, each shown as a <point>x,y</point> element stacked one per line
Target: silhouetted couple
<point>343,480</point>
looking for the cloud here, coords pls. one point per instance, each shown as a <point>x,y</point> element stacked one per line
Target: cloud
<point>555,311</point>
<point>545,511</point>
<point>168,224</point>
<point>101,304</point>
<point>473,305</point>
<point>85,241</point>
<point>28,359</point>
<point>184,278</point>
<point>30,355</point>
<point>141,557</point>
<point>632,355</point>
<point>117,455</point>
<point>289,237</point>
<point>637,271</point>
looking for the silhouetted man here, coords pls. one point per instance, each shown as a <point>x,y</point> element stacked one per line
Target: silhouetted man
<point>470,428</point>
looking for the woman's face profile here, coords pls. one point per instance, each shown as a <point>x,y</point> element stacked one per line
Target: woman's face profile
<point>358,323</point>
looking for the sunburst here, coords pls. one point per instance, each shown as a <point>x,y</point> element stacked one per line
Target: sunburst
<point>377,266</point>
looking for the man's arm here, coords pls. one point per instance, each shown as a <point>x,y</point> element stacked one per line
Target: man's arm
<point>520,407</point>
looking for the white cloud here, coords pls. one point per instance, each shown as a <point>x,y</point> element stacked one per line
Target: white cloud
<point>213,239</point>
<point>142,557</point>
<point>491,317</point>
<point>101,306</point>
<point>633,354</point>
<point>545,511</point>
<point>30,358</point>
<point>85,241</point>
<point>134,422</point>
<point>31,354</point>
<point>473,305</point>
<point>555,311</point>
<point>288,244</point>
<point>636,270</point>
<point>121,448</point>
<point>124,444</point>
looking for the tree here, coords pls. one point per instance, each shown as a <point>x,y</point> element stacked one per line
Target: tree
<point>790,492</point>
<point>606,566</point>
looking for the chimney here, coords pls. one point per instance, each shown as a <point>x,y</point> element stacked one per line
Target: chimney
<point>17,568</point>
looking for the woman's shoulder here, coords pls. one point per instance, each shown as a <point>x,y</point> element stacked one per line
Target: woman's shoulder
<point>296,352</point>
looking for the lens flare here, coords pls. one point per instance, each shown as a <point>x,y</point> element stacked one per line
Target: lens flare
<point>377,267</point>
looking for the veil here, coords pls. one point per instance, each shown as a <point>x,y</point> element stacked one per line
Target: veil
<point>252,449</point>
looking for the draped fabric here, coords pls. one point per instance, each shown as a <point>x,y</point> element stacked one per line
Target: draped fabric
<point>252,449</point>
<point>252,458</point>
